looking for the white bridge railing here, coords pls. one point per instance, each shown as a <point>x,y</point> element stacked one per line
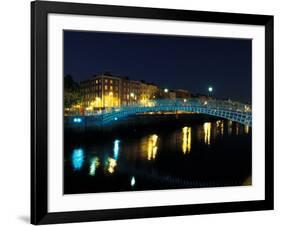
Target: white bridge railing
<point>234,111</point>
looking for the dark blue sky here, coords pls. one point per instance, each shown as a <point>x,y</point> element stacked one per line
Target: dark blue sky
<point>175,62</point>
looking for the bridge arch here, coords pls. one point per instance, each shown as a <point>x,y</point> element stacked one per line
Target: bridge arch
<point>234,111</point>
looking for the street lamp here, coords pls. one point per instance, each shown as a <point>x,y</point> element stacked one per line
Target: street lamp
<point>132,95</point>
<point>210,89</point>
<point>166,90</point>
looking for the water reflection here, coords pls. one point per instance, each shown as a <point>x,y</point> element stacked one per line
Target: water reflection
<point>77,158</point>
<point>152,147</point>
<point>94,164</point>
<point>127,161</point>
<point>207,132</point>
<point>220,126</point>
<point>186,139</point>
<point>116,149</point>
<point>246,129</point>
<point>229,127</point>
<point>111,165</point>
<point>237,129</point>
<point>133,181</point>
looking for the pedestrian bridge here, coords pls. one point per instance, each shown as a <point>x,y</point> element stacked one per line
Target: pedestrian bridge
<point>234,111</point>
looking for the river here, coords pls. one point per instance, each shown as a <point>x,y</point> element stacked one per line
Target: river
<point>160,152</point>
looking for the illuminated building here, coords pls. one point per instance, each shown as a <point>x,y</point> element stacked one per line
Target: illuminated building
<point>164,93</point>
<point>101,91</point>
<point>172,95</point>
<point>106,91</point>
<point>147,92</point>
<point>134,91</point>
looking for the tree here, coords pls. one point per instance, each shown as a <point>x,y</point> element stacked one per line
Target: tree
<point>72,92</point>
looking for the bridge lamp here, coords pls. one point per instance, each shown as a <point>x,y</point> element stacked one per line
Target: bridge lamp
<point>77,120</point>
<point>166,90</point>
<point>210,89</point>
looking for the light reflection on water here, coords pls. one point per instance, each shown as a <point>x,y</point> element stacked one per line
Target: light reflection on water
<point>207,133</point>
<point>78,156</point>
<point>229,127</point>
<point>94,164</point>
<point>246,128</point>
<point>186,139</point>
<point>152,147</point>
<point>220,126</point>
<point>111,163</point>
<point>121,154</point>
<point>148,145</point>
<point>116,149</point>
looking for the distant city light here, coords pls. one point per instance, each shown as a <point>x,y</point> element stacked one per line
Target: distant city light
<point>133,181</point>
<point>210,89</point>
<point>166,90</point>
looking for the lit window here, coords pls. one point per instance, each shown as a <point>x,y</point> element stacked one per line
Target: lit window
<point>111,81</point>
<point>105,80</point>
<point>111,88</point>
<point>105,87</point>
<point>97,81</point>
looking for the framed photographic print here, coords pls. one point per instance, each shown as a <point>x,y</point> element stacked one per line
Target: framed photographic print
<point>144,112</point>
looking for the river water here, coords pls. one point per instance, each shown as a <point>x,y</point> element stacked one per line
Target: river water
<point>162,152</point>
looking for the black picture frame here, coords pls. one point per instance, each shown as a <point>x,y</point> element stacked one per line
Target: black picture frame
<point>39,111</point>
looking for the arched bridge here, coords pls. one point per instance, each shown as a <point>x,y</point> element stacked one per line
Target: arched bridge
<point>234,111</point>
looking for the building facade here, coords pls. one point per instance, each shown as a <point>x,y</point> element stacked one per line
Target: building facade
<point>182,94</point>
<point>101,91</point>
<point>106,91</point>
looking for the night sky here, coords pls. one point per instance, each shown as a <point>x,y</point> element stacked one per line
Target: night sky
<point>175,62</point>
